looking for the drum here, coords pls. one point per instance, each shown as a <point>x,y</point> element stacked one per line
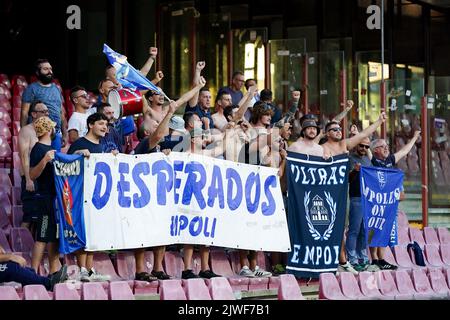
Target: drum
<point>125,102</point>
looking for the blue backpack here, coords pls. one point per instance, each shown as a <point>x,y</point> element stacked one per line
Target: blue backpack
<point>418,254</point>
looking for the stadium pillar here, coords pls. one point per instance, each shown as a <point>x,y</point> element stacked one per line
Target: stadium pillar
<point>424,161</point>
<point>343,79</point>
<point>305,84</point>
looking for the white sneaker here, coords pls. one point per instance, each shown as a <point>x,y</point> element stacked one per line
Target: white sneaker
<point>84,275</point>
<point>261,273</point>
<point>95,276</point>
<point>373,268</point>
<point>246,272</point>
<point>347,267</point>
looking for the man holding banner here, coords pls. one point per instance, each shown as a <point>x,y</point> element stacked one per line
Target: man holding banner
<point>335,145</point>
<point>382,158</point>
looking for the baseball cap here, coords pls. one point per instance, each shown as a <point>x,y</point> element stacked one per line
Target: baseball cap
<point>176,123</point>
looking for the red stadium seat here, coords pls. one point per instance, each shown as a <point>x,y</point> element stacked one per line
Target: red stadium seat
<point>64,291</point>
<point>16,114</point>
<point>196,289</point>
<point>8,293</point>
<point>171,290</point>
<point>444,235</point>
<point>16,127</point>
<point>402,257</point>
<point>93,291</point>
<point>405,285</point>
<point>5,91</point>
<point>329,287</point>
<point>120,290</point>
<point>430,235</point>
<point>438,283</point>
<point>369,286</point>
<point>445,253</point>
<point>221,265</point>
<point>388,287</point>
<point>19,80</point>
<point>5,104</point>
<point>21,240</point>
<point>289,288</point>
<point>103,264</point>
<point>18,90</point>
<point>4,115</point>
<point>403,235</point>
<point>17,102</point>
<point>415,234</point>
<point>220,289</point>
<point>17,216</point>
<point>35,292</point>
<point>5,80</point>
<point>173,264</point>
<point>4,242</point>
<point>4,130</point>
<point>422,283</point>
<point>432,255</point>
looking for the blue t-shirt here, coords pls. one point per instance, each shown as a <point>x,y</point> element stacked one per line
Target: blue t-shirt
<point>201,113</point>
<point>111,141</point>
<point>50,96</point>
<point>83,143</point>
<point>389,162</point>
<point>182,143</point>
<point>45,182</point>
<point>236,96</point>
<point>125,126</point>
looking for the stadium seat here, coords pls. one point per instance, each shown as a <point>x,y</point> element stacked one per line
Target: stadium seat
<point>220,289</point>
<point>444,235</point>
<point>349,286</point>
<point>438,283</point>
<point>173,264</point>
<point>16,103</point>
<point>5,182</point>
<point>196,289</point>
<point>5,80</point>
<point>5,149</point>
<point>16,114</point>
<point>5,92</point>
<point>415,234</point>
<point>171,290</point>
<point>421,282</point>
<point>103,264</point>
<point>93,291</point>
<point>369,286</point>
<point>5,225</point>
<point>21,240</point>
<point>16,177</point>
<point>388,287</point>
<point>16,196</point>
<point>432,255</point>
<point>8,293</point>
<point>120,290</point>
<point>444,249</point>
<point>221,265</point>
<point>430,235</point>
<point>329,287</point>
<point>4,242</point>
<point>5,204</point>
<point>17,216</point>
<point>405,285</point>
<point>16,127</point>
<point>5,104</point>
<point>35,292</point>
<point>4,115</point>
<point>19,80</point>
<point>254,284</point>
<point>64,291</point>
<point>289,288</point>
<point>388,256</point>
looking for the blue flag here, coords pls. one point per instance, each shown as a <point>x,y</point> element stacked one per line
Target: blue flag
<point>380,193</point>
<point>317,205</point>
<point>69,197</point>
<point>126,74</point>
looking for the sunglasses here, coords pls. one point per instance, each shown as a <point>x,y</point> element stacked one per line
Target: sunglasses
<point>337,129</point>
<point>364,146</point>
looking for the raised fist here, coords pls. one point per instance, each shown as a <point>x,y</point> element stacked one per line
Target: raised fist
<point>383,117</point>
<point>296,95</point>
<point>159,75</point>
<point>201,65</point>
<point>153,51</point>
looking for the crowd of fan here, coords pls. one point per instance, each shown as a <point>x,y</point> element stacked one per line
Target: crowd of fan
<point>245,127</point>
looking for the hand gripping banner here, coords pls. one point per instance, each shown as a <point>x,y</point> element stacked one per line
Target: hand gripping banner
<point>380,193</point>
<point>317,203</point>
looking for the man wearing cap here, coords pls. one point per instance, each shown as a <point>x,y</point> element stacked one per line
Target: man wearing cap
<point>41,170</point>
<point>176,134</point>
<point>307,143</point>
<point>335,145</point>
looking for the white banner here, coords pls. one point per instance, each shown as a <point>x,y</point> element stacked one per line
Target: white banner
<point>133,201</point>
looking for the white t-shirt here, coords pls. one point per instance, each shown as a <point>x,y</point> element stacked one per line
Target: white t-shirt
<point>78,122</point>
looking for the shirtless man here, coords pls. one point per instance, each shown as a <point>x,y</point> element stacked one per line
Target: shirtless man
<point>27,140</point>
<point>335,145</point>
<point>307,143</point>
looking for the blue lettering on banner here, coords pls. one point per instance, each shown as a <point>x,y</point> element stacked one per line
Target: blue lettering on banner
<point>234,179</point>
<point>144,199</point>
<point>123,186</point>
<point>193,186</point>
<point>164,182</point>
<point>177,167</point>
<point>194,226</point>
<point>101,169</point>
<point>252,180</point>
<point>268,208</point>
<point>216,189</point>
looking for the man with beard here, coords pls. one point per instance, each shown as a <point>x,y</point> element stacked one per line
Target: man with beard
<point>334,146</point>
<point>307,143</point>
<point>46,91</point>
<point>355,245</point>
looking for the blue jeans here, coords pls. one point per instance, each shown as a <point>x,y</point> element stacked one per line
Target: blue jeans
<point>11,271</point>
<point>57,142</point>
<point>356,245</point>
